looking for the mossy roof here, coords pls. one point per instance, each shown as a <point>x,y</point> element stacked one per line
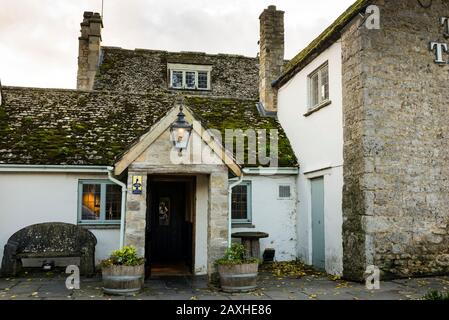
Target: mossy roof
<point>69,127</point>
<point>321,43</point>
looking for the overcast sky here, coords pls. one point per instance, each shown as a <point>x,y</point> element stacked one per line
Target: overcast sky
<point>39,38</point>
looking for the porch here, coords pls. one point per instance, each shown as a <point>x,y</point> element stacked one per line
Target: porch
<point>310,287</point>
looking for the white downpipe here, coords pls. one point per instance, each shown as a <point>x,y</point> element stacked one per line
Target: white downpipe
<point>232,185</point>
<point>123,209</point>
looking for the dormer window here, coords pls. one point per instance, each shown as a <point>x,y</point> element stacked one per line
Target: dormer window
<point>189,77</point>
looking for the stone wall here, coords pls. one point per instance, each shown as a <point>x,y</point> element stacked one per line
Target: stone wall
<point>145,71</point>
<point>396,204</point>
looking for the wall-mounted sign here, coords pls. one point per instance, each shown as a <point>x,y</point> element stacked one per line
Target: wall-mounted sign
<point>164,211</point>
<point>439,48</point>
<point>137,184</point>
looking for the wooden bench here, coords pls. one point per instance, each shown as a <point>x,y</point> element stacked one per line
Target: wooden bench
<point>47,241</point>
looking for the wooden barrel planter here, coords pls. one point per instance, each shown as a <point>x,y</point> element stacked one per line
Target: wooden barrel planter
<point>123,280</point>
<point>238,278</point>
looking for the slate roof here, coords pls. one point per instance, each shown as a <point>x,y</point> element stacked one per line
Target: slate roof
<point>321,43</point>
<point>70,127</point>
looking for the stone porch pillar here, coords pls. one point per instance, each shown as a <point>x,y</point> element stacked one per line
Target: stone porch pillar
<point>217,237</point>
<point>136,214</point>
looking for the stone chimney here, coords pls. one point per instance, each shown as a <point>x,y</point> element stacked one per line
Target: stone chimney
<point>89,50</point>
<point>271,56</point>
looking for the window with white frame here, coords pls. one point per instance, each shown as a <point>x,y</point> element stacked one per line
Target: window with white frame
<point>319,87</point>
<point>241,203</point>
<point>99,202</point>
<point>189,77</point>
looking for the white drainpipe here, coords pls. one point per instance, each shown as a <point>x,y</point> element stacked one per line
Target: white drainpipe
<point>232,185</point>
<point>123,209</point>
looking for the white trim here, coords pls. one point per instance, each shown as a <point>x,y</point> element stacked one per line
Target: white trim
<point>322,100</point>
<point>230,186</point>
<point>123,213</point>
<point>271,171</point>
<point>184,68</point>
<point>327,171</point>
<point>53,168</point>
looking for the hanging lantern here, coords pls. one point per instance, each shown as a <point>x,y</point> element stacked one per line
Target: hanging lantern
<point>180,131</point>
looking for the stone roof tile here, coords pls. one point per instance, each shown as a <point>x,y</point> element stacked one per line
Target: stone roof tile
<point>70,127</point>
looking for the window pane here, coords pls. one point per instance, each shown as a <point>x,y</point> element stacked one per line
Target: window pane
<point>113,202</point>
<point>324,83</point>
<point>202,80</point>
<point>190,80</point>
<point>240,202</point>
<point>314,90</point>
<point>91,202</point>
<point>176,80</point>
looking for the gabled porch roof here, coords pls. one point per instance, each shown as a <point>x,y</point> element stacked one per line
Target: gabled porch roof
<point>144,141</point>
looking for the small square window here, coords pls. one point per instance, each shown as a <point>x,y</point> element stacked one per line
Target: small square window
<point>189,77</point>
<point>319,87</point>
<point>202,80</point>
<point>100,202</point>
<point>241,203</point>
<point>190,80</point>
<point>285,192</point>
<point>91,202</point>
<point>176,79</point>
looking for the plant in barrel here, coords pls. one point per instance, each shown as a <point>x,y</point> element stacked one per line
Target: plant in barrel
<point>123,272</point>
<point>237,271</point>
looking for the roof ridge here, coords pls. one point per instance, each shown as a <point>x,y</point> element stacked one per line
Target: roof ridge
<point>234,55</point>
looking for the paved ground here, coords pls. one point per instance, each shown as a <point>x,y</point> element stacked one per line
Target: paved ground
<point>319,287</point>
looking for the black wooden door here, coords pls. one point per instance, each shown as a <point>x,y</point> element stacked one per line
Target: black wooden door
<point>167,212</point>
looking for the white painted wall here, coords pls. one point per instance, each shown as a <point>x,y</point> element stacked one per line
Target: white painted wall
<point>30,198</point>
<point>318,143</point>
<point>274,216</point>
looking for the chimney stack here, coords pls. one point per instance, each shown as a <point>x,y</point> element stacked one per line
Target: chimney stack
<point>89,50</point>
<point>271,56</point>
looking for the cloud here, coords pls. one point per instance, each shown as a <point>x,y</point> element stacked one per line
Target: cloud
<point>39,39</point>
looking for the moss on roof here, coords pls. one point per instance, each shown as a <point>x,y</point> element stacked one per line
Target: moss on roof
<point>222,114</point>
<point>69,127</point>
<point>322,42</point>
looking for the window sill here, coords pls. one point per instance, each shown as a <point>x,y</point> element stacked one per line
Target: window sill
<point>191,89</point>
<point>99,226</point>
<point>322,105</point>
<point>243,226</point>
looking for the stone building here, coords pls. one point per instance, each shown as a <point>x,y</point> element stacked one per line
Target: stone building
<point>103,156</point>
<point>365,109</point>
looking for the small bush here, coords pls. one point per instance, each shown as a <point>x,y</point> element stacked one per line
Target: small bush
<point>436,295</point>
<point>236,255</point>
<point>124,257</point>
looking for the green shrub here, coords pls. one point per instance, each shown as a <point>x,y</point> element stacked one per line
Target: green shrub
<point>124,257</point>
<point>236,255</point>
<point>436,295</point>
